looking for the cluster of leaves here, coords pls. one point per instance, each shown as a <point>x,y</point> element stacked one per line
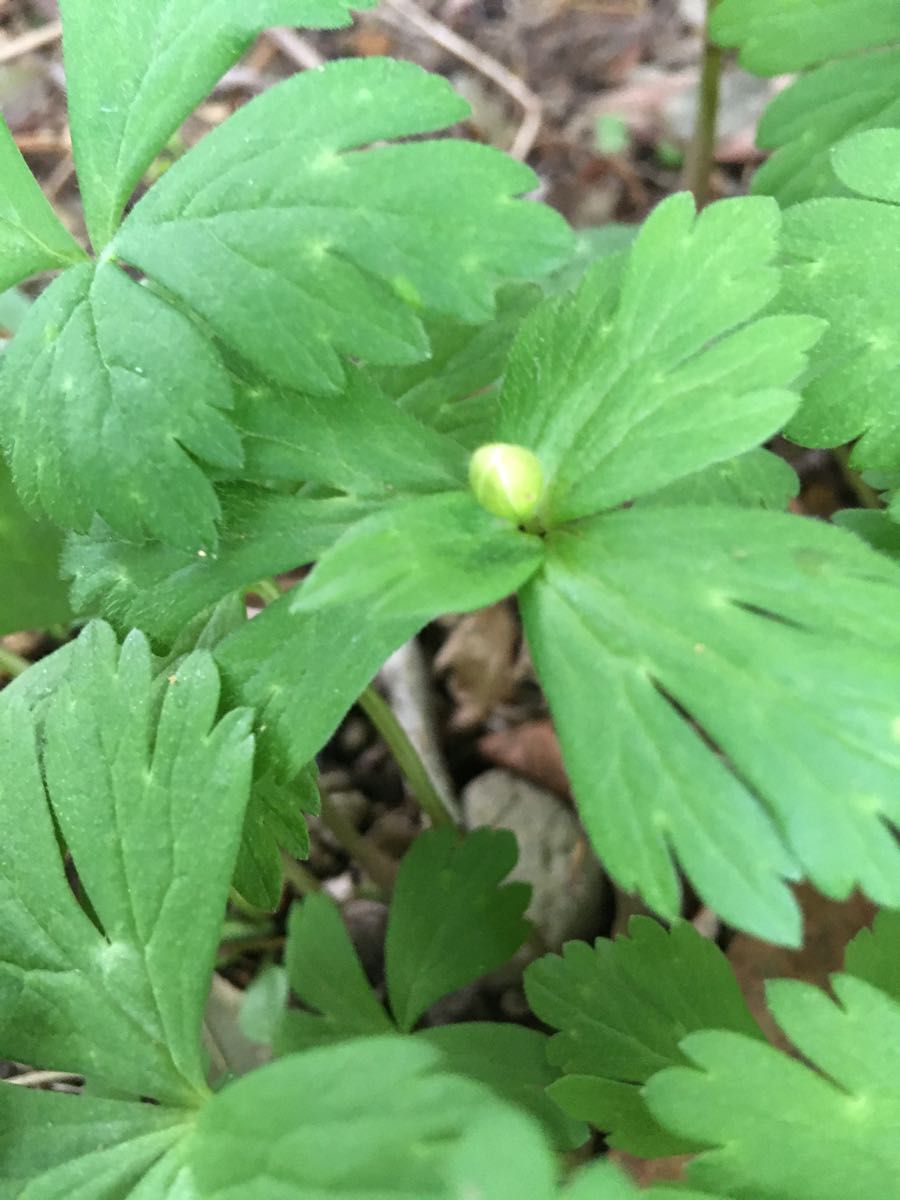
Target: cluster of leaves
<point>110,980</point>
<point>239,384</point>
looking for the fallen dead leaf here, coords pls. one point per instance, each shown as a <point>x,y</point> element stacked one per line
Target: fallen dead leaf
<point>530,750</point>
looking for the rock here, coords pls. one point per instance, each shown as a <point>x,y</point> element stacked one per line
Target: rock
<point>554,854</point>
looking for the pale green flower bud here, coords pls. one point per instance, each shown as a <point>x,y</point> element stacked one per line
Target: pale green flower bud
<point>507,480</point>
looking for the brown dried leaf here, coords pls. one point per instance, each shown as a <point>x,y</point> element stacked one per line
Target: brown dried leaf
<point>480,660</point>
<point>530,750</point>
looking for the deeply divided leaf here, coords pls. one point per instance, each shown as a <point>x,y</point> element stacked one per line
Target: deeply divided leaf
<point>422,557</point>
<point>108,396</point>
<point>724,693</point>
<point>299,246</point>
<point>134,74</point>
<point>32,238</point>
<point>115,989</point>
<point>842,1143</point>
<point>843,264</point>
<point>622,1008</point>
<point>640,378</point>
<point>852,46</point>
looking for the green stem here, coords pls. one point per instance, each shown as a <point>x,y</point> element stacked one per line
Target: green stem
<point>267,590</point>
<point>407,757</point>
<point>299,877</point>
<point>699,162</point>
<point>12,664</point>
<point>381,869</point>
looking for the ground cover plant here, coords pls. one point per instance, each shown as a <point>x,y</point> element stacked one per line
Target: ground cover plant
<point>306,345</point>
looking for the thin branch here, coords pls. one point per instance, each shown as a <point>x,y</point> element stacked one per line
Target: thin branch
<point>40,1079</point>
<point>34,39</point>
<point>400,11</point>
<point>381,869</point>
<point>301,52</point>
<point>406,756</point>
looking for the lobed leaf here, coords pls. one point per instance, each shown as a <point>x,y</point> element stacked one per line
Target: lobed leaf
<point>360,442</point>
<point>776,36</point>
<point>451,920</point>
<point>32,238</point>
<point>843,264</point>
<point>856,91</point>
<point>373,1117</point>
<point>301,672</point>
<point>275,820</point>
<point>161,590</point>
<point>841,1143</point>
<point>133,76</point>
<point>118,995</point>
<point>298,246</point>
<point>107,397</point>
<point>58,1147</point>
<point>326,975</point>
<point>740,700</point>
<point>421,557</point>
<point>638,379</point>
<point>755,479</point>
<point>622,1009</point>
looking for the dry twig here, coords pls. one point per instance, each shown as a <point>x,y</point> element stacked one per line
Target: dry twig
<point>34,39</point>
<point>399,12</point>
<point>301,52</point>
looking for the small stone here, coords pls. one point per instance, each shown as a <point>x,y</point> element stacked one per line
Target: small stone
<point>555,856</point>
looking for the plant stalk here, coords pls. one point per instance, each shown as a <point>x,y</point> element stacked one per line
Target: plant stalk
<point>699,162</point>
<point>407,757</point>
<point>381,869</point>
<point>12,664</point>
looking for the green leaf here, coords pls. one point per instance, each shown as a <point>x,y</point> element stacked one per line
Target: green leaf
<point>740,698</point>
<point>421,557</point>
<point>301,672</point>
<point>107,396</point>
<point>875,527</point>
<point>160,589</point>
<point>638,378</point>
<point>874,954</point>
<point>279,220</point>
<point>275,820</point>
<point>118,996</point>
<point>327,976</point>
<point>359,442</point>
<point>32,595</point>
<point>841,1141</point>
<point>776,36</point>
<point>57,1147</point>
<point>263,1004</point>
<point>133,78</point>
<point>804,123</point>
<point>32,238</point>
<point>512,1061</point>
<point>601,1181</point>
<point>369,1118</point>
<point>806,120</point>
<point>465,361</point>
<point>622,1008</point>
<point>755,479</point>
<point>868,163</point>
<point>452,918</point>
<point>843,264</point>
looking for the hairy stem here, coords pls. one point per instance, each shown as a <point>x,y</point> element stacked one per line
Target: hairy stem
<point>699,161</point>
<point>407,757</point>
